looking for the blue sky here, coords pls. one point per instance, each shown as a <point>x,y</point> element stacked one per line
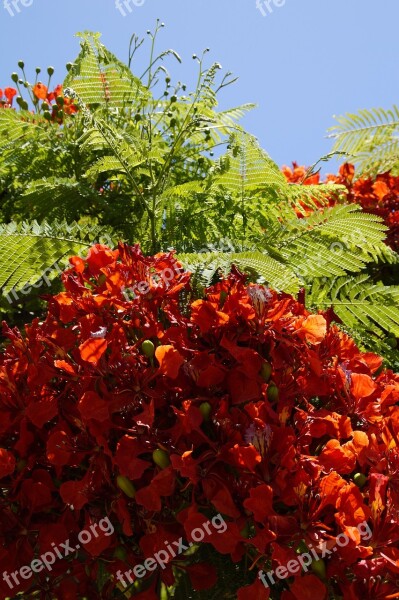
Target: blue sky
<point>301,61</point>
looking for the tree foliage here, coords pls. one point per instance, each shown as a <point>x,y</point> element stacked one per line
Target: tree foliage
<point>135,158</point>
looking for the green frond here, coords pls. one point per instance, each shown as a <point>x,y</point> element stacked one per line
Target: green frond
<point>370,138</point>
<point>20,133</point>
<point>246,168</point>
<point>230,116</point>
<point>260,266</point>
<point>360,303</point>
<point>32,251</point>
<point>99,78</point>
<point>333,242</point>
<point>314,196</point>
<point>184,190</point>
<point>126,147</point>
<point>107,165</point>
<point>57,198</point>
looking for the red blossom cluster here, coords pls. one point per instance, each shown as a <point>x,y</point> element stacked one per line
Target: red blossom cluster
<point>57,103</point>
<point>160,411</point>
<point>379,195</point>
<point>56,100</point>
<point>7,97</point>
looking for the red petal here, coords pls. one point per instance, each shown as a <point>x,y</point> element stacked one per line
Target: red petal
<point>260,502</point>
<point>256,591</point>
<point>203,576</point>
<point>308,587</point>
<point>170,360</point>
<point>92,350</point>
<point>91,406</point>
<point>7,463</point>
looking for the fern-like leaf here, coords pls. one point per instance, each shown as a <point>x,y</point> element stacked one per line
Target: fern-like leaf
<point>30,252</point>
<point>360,303</point>
<point>370,138</point>
<point>260,266</point>
<point>99,78</point>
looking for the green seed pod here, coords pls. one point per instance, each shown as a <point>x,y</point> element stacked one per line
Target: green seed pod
<point>206,410</point>
<point>14,77</point>
<point>173,98</point>
<point>22,103</point>
<point>360,479</point>
<point>21,64</point>
<point>126,486</point>
<point>50,70</point>
<point>272,392</point>
<point>266,371</point>
<point>38,70</point>
<point>148,348</point>
<point>161,458</point>
<point>60,101</point>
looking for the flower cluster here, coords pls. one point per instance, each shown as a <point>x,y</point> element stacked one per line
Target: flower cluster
<point>160,411</point>
<point>7,97</point>
<point>55,102</point>
<point>379,195</point>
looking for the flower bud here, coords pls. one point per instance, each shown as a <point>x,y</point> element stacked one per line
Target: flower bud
<point>148,348</point>
<point>206,410</point>
<point>360,479</point>
<point>161,458</point>
<point>126,486</point>
<point>272,392</point>
<point>266,371</point>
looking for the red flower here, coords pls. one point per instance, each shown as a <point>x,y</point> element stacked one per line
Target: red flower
<point>40,91</point>
<point>251,423</point>
<point>9,93</point>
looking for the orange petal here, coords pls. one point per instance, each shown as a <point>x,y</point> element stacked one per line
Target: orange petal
<point>170,360</point>
<point>92,350</point>
<point>313,329</point>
